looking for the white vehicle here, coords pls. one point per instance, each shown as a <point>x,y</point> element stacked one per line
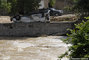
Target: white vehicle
<point>39,17</point>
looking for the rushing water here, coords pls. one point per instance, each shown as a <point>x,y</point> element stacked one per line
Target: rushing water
<point>37,48</point>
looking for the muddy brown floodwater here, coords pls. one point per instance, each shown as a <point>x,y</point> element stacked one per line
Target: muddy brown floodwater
<point>27,48</point>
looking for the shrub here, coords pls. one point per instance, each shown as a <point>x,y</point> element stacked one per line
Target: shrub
<point>5,6</point>
<point>51,3</point>
<point>19,6</point>
<point>79,39</point>
<point>81,6</point>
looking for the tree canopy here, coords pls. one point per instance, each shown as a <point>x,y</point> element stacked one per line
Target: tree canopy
<point>51,3</point>
<point>19,6</point>
<point>81,5</point>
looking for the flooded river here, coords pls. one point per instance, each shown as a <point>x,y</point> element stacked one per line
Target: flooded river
<point>32,48</point>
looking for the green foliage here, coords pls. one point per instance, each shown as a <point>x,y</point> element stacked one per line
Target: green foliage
<point>79,39</point>
<point>81,5</point>
<point>68,9</point>
<point>6,6</point>
<point>27,6</point>
<point>68,6</point>
<point>51,3</point>
<point>86,17</point>
<point>19,6</point>
<point>13,6</point>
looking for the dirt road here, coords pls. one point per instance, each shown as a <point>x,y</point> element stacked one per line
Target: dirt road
<point>68,17</point>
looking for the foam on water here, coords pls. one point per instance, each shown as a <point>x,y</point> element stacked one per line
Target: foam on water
<point>22,45</point>
<point>6,57</point>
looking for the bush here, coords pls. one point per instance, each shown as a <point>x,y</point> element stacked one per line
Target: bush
<point>79,39</point>
<point>51,3</point>
<point>19,6</point>
<point>81,6</point>
<point>5,7</point>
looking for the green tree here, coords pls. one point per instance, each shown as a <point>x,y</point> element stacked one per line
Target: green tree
<point>79,39</point>
<point>19,6</point>
<point>14,9</point>
<point>24,6</point>
<point>30,5</point>
<point>51,3</point>
<point>81,5</point>
<point>5,6</point>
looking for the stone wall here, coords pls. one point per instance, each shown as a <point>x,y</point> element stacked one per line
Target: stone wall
<point>34,29</point>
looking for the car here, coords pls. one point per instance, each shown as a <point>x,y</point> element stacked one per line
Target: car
<point>35,17</point>
<point>55,12</point>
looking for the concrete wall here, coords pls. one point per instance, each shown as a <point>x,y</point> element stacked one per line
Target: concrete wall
<point>34,29</point>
